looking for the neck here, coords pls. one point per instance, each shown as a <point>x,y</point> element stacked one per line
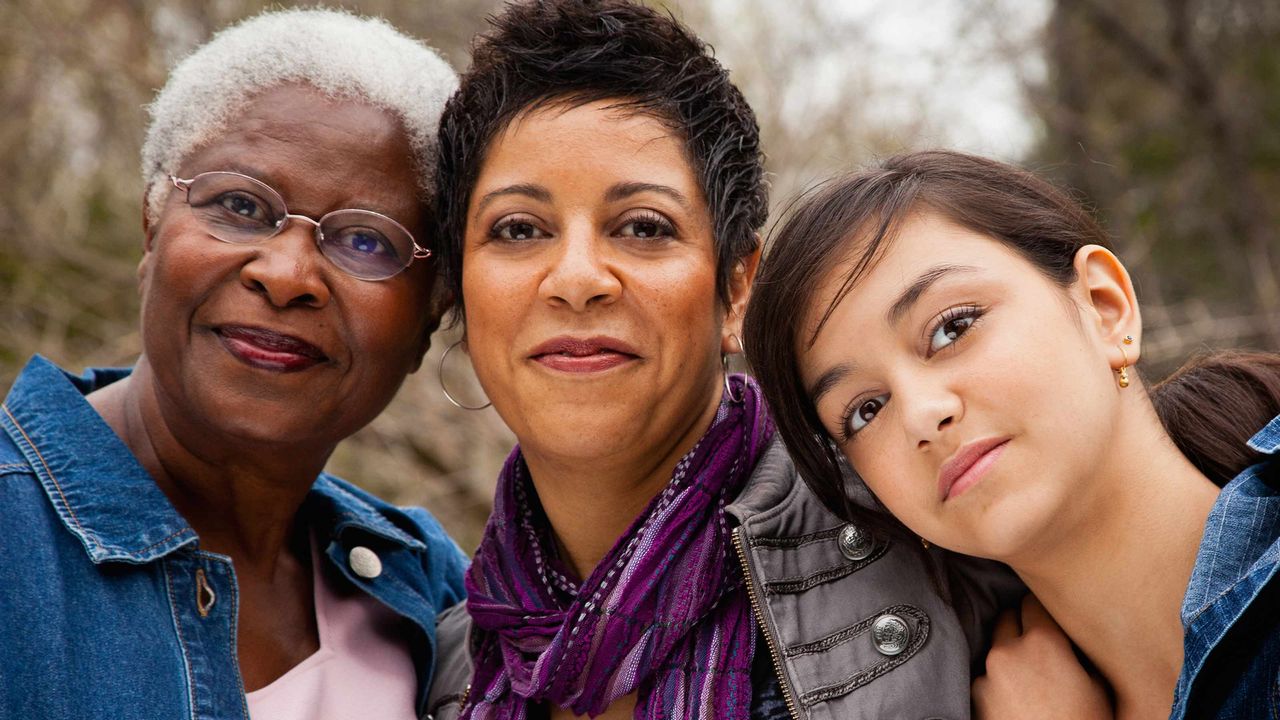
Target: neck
<point>1114,571</point>
<point>239,497</point>
<point>591,501</point>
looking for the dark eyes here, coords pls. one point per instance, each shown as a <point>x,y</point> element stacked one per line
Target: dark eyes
<point>647,226</point>
<point>946,330</point>
<point>641,226</point>
<point>243,207</point>
<point>951,326</point>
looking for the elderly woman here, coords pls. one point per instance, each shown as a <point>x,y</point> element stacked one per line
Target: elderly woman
<point>171,546</point>
<point>651,551</point>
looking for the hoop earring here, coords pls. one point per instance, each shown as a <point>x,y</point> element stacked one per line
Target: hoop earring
<point>1123,372</point>
<point>724,363</point>
<point>445,390</point>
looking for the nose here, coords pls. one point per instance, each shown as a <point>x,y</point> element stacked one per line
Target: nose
<point>287,269</point>
<point>580,275</point>
<point>928,410</point>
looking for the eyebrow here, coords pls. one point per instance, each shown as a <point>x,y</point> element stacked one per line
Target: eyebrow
<point>834,375</point>
<point>624,190</point>
<point>828,380</point>
<point>537,192</point>
<point>911,295</point>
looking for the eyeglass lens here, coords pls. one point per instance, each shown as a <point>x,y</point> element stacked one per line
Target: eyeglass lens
<point>236,208</point>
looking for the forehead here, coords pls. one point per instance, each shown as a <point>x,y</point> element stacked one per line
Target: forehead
<point>589,144</point>
<point>300,140</point>
<point>923,241</point>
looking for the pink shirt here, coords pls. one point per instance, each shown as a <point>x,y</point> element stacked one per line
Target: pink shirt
<point>362,670</point>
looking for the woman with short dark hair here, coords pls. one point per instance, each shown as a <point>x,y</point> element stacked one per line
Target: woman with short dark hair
<point>651,551</point>
<point>958,330</point>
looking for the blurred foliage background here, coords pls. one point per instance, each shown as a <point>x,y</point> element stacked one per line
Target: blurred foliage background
<point>1164,116</point>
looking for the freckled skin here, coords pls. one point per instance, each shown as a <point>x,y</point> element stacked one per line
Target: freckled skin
<point>585,281</point>
<point>1027,369</point>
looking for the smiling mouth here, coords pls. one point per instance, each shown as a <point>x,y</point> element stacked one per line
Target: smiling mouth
<point>269,350</point>
<point>592,355</point>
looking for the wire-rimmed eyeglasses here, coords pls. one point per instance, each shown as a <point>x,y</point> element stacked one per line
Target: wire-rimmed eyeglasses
<point>238,209</point>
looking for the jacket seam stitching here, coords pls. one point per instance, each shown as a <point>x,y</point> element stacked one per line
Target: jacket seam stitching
<point>53,478</point>
<point>182,643</point>
<point>796,540</point>
<point>793,585</point>
<point>865,677</point>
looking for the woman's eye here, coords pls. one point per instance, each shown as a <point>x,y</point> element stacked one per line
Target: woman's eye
<point>647,228</point>
<point>864,413</point>
<point>245,206</point>
<point>364,242</point>
<point>516,231</point>
<point>951,327</point>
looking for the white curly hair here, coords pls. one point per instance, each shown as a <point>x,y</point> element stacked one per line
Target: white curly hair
<point>341,54</point>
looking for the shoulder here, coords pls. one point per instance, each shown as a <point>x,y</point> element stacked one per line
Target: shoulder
<point>452,681</point>
<point>860,625</point>
<point>343,505</point>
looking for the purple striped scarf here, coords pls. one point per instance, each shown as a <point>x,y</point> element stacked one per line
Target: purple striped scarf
<point>665,613</point>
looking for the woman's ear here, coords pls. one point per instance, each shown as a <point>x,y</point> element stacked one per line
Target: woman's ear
<point>740,282</point>
<point>1108,302</point>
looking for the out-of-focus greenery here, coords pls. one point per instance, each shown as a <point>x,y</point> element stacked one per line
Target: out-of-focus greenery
<point>1165,114</point>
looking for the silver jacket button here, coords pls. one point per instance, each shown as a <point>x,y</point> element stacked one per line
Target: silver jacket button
<point>364,562</point>
<point>891,634</point>
<point>855,543</point>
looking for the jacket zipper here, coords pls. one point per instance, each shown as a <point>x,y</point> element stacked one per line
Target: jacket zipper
<point>753,594</point>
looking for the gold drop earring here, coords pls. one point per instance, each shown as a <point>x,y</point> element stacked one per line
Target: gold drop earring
<point>1123,372</point>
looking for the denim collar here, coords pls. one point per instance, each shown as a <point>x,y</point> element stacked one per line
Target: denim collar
<point>1240,549</point>
<point>104,496</point>
<point>1267,441</point>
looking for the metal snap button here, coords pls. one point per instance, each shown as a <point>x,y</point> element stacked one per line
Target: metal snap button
<point>855,543</point>
<point>364,562</point>
<point>891,634</point>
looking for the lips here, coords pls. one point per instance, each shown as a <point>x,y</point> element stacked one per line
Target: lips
<point>269,350</point>
<point>583,355</point>
<point>968,465</point>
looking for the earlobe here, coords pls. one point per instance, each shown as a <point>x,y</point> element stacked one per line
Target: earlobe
<point>1109,300</point>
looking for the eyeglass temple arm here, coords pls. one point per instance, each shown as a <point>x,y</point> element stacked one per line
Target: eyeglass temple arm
<point>420,252</point>
<point>180,183</point>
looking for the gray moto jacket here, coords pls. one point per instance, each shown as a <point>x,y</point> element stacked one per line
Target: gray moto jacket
<point>857,627</point>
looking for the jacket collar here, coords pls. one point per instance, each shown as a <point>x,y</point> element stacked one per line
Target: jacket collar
<point>101,493</point>
<point>1267,441</point>
<point>1241,539</point>
<point>108,500</point>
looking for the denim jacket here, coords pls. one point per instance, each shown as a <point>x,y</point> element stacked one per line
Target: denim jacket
<point>109,608</point>
<point>1231,613</point>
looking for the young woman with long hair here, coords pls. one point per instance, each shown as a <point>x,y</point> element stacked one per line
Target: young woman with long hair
<point>957,330</point>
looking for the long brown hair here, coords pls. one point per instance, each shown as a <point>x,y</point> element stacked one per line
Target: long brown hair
<point>1210,408</point>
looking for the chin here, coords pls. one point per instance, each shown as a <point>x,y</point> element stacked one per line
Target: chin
<point>584,430</point>
<point>1007,527</point>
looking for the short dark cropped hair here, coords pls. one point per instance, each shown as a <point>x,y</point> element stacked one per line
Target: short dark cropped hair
<point>577,52</point>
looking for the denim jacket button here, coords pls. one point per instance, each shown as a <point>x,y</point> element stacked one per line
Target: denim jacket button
<point>891,634</point>
<point>855,543</point>
<point>365,562</point>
